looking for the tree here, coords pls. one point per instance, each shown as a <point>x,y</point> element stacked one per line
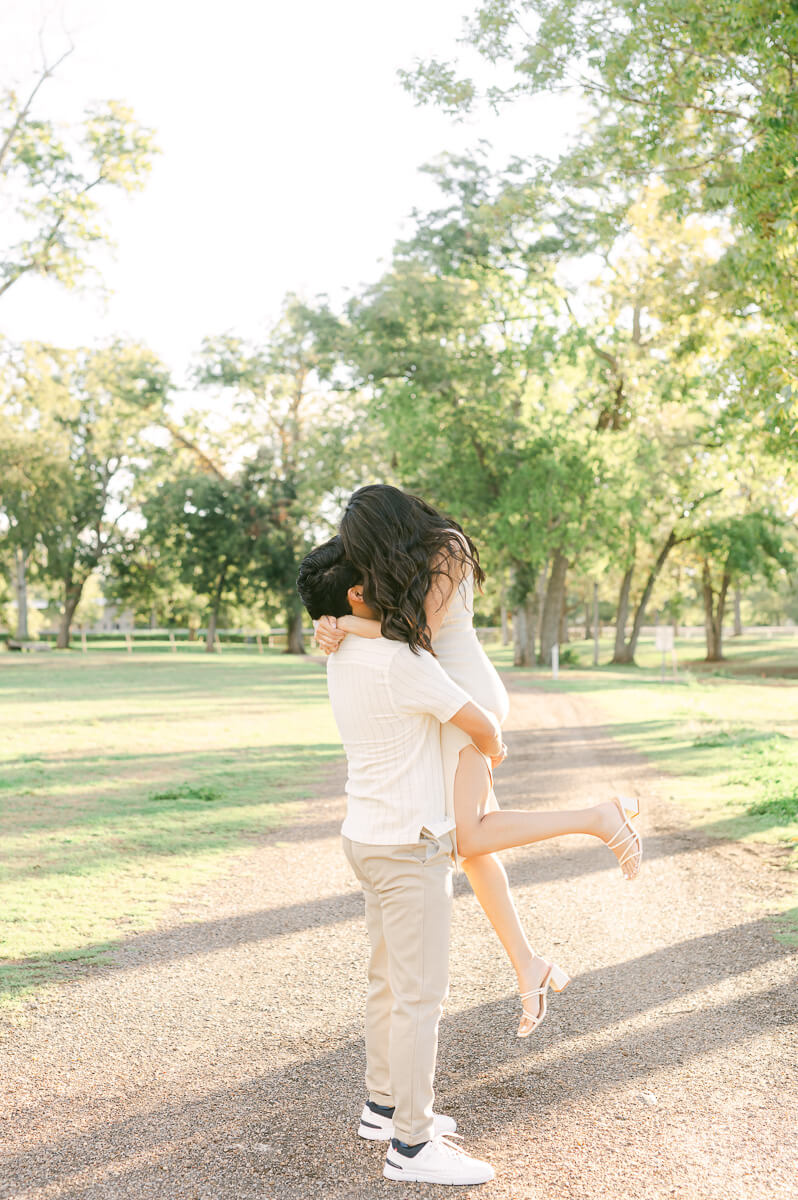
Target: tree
<point>204,528</point>
<point>301,437</point>
<point>51,180</point>
<point>93,407</point>
<point>33,478</point>
<point>730,550</point>
<point>702,96</point>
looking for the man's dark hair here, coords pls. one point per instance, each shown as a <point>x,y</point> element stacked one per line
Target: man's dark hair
<point>325,576</point>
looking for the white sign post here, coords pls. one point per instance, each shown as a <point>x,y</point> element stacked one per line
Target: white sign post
<point>665,642</point>
<point>555,661</point>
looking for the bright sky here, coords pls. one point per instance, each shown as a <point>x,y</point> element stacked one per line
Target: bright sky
<point>290,153</point>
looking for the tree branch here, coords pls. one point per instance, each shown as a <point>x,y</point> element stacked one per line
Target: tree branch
<point>47,72</point>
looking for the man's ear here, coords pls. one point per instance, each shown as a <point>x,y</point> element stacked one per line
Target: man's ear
<point>355,595</point>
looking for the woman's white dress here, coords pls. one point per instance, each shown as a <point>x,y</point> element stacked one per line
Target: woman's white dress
<point>462,657</point>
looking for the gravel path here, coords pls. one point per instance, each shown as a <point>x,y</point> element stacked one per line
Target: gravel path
<point>220,1057</point>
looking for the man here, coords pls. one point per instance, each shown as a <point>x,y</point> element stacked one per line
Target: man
<point>389,704</point>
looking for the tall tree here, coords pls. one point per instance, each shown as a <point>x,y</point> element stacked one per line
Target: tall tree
<point>52,180</point>
<point>702,95</point>
<point>94,405</point>
<point>34,473</point>
<point>731,550</point>
<point>204,528</point>
<point>295,426</point>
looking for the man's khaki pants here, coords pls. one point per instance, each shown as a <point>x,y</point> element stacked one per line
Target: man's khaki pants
<point>408,892</point>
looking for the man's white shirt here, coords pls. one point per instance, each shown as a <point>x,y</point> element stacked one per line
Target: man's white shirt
<point>389,705</point>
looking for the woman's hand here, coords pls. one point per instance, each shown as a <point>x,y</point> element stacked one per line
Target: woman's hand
<point>328,635</point>
<point>499,758</point>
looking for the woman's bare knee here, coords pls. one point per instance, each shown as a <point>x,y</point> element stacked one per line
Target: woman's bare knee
<point>471,792</point>
<point>471,783</point>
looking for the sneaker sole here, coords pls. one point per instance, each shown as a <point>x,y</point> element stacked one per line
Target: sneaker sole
<point>410,1176</point>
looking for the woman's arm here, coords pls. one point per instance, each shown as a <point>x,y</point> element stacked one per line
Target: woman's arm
<point>360,625</point>
<point>331,631</point>
<point>483,729</point>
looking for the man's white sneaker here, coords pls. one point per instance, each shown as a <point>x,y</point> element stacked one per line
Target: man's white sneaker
<point>438,1161</point>
<point>379,1128</point>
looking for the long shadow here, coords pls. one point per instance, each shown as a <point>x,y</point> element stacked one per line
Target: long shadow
<point>293,1129</point>
<point>185,940</point>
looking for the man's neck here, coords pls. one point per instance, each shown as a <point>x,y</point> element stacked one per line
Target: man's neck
<point>363,610</point>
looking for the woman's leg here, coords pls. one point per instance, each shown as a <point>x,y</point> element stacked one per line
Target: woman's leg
<point>491,887</point>
<point>482,831</point>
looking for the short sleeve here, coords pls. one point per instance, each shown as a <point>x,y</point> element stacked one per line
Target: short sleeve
<point>419,684</point>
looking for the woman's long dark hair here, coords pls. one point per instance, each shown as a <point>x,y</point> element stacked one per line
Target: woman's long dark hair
<point>400,543</point>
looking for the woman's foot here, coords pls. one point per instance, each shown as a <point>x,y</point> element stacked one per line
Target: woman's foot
<point>532,984</point>
<point>616,830</point>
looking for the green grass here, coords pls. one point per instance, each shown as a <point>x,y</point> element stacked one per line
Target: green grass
<point>126,779</point>
<point>725,735</point>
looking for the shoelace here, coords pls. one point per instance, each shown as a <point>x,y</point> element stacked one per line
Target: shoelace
<point>448,1147</point>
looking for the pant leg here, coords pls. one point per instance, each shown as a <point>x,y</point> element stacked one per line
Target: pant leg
<point>414,887</point>
<point>379,1000</point>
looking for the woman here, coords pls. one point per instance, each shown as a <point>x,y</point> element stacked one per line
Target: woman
<point>419,569</point>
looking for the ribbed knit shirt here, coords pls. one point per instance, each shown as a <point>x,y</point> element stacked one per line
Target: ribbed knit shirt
<point>389,705</point>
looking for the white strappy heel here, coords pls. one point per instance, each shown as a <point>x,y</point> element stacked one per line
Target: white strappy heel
<point>626,838</point>
<point>556,979</point>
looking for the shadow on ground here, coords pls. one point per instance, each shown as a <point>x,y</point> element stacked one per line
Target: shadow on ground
<point>294,1128</point>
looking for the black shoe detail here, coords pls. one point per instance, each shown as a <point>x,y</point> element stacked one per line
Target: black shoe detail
<point>369,1124</point>
<point>382,1110</point>
<point>406,1150</point>
<point>396,1166</point>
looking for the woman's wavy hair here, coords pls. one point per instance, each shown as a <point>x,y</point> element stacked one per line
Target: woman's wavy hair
<point>399,543</point>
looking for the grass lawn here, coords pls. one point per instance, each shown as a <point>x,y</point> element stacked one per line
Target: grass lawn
<point>124,779</point>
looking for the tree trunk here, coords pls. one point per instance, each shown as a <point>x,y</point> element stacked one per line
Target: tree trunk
<point>210,636</point>
<point>596,625</point>
<point>630,648</point>
<point>531,607</point>
<point>653,574</point>
<point>622,616</point>
<point>714,612</point>
<point>552,606</point>
<point>505,619</point>
<point>520,637</point>
<point>153,618</point>
<point>21,588</point>
<point>588,617</point>
<point>293,623</point>
<point>72,593</point>
<point>738,620</point>
<point>563,625</point>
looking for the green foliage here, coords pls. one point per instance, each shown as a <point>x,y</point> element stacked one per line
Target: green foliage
<point>304,445</point>
<point>701,96</point>
<point>77,420</point>
<point>55,178</point>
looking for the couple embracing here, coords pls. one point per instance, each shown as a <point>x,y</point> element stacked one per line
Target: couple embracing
<point>419,708</point>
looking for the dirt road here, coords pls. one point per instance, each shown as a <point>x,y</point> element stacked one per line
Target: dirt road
<point>220,1057</point>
